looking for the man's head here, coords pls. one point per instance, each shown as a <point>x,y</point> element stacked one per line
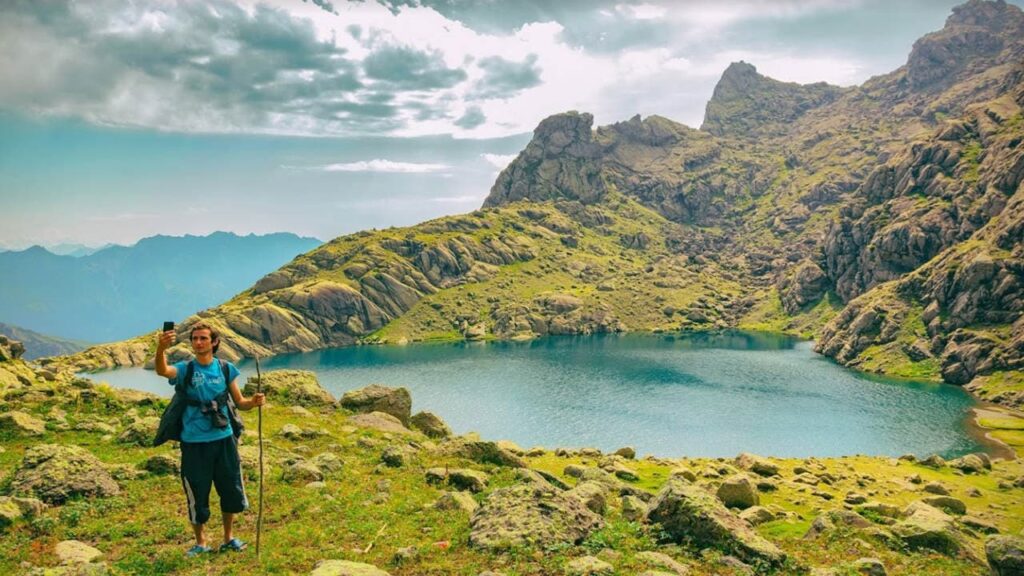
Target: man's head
<point>204,335</point>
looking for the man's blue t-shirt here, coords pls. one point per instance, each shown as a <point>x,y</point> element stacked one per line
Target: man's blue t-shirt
<point>207,383</point>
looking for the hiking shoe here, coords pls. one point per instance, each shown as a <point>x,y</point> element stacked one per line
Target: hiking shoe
<point>234,544</point>
<point>197,550</point>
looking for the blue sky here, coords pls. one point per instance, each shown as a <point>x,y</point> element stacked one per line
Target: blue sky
<point>124,120</point>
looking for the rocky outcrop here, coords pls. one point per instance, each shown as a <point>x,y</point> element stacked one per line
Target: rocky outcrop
<point>55,473</point>
<point>561,161</point>
<point>687,512</point>
<point>1005,555</point>
<point>376,398</point>
<point>530,514</point>
<point>296,387</point>
<point>748,104</point>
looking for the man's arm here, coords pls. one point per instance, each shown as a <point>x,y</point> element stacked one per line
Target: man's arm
<point>242,402</point>
<point>163,341</point>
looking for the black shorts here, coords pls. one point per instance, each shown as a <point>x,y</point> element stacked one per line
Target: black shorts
<point>212,463</point>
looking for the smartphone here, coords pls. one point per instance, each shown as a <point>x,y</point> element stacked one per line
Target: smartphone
<point>168,326</point>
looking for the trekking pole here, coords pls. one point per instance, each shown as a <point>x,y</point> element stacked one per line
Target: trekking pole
<point>259,431</point>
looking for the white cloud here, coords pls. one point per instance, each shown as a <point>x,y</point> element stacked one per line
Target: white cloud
<point>377,165</point>
<point>499,161</point>
<point>465,199</point>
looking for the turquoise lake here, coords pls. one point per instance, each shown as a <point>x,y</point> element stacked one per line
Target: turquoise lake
<point>683,395</point>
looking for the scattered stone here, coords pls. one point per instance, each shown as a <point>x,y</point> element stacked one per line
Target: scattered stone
<point>328,462</point>
<point>947,503</point>
<point>627,452</point>
<point>1005,555</point>
<point>624,473</point>
<point>688,513</point>
<point>290,432</point>
<point>484,452</point>
<point>300,412</point>
<point>302,473</point>
<point>394,456</point>
<point>456,501</point>
<point>380,421</point>
<point>684,473</point>
<point>345,568</point>
<point>766,485</point>
<point>757,515</point>
<point>663,561</point>
<point>574,470</point>
<point>71,552</point>
<point>927,527</point>
<point>460,478</point>
<point>881,509</point>
<point>738,492</point>
<point>140,432</point>
<point>594,495</point>
<point>757,464</point>
<point>160,464</point>
<point>869,566</point>
<point>375,398</point>
<point>588,566</point>
<point>979,525</point>
<point>974,492</point>
<point>9,512</point>
<point>854,498</point>
<point>970,464</point>
<point>404,554</point>
<point>830,520</point>
<point>530,514</point>
<point>317,485</point>
<point>915,479</point>
<point>535,451</point>
<point>299,387</point>
<point>21,424</point>
<point>908,458</point>
<point>430,424</point>
<point>633,508</point>
<point>806,478</point>
<point>56,472</point>
<point>934,461</point>
<point>936,488</point>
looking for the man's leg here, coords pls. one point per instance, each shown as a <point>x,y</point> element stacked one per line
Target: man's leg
<point>196,479</point>
<point>227,478</point>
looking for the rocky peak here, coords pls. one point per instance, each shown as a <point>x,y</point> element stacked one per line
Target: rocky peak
<point>652,131</point>
<point>976,33</point>
<point>10,349</point>
<point>745,103</point>
<point>561,161</point>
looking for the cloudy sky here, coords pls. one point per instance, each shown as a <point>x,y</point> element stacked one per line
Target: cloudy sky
<point>120,120</point>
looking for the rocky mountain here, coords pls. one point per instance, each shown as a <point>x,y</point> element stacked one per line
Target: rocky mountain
<point>123,290</point>
<point>39,345</point>
<point>883,220</point>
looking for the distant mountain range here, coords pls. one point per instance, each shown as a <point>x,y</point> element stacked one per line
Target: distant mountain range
<point>66,249</point>
<point>39,345</point>
<point>121,291</point>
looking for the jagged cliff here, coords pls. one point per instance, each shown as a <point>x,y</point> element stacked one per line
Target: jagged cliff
<point>883,219</point>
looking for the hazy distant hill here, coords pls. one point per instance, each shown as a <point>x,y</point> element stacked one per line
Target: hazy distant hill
<point>121,291</point>
<point>39,345</point>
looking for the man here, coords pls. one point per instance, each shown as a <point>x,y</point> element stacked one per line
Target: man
<point>209,450</point>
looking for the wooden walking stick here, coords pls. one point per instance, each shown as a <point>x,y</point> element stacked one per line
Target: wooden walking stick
<point>259,433</point>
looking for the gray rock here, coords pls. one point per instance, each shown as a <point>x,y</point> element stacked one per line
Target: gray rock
<point>345,568</point>
<point>484,452</point>
<point>627,452</point>
<point>948,503</point>
<point>936,488</point>
<point>979,525</point>
<point>75,552</point>
<point>375,398</point>
<point>162,464</point>
<point>430,424</point>
<point>302,473</point>
<point>633,508</point>
<point>971,464</point>
<point>663,561</point>
<point>456,501</point>
<point>757,464</point>
<point>588,566</point>
<point>738,492</point>
<point>140,432</point>
<point>459,478</point>
<point>529,514</point>
<point>1005,555</point>
<point>394,456</point>
<point>757,515</point>
<point>688,513</point>
<point>869,566</point>
<point>928,527</point>
<point>830,520</point>
<point>16,423</point>
<point>934,461</point>
<point>299,387</point>
<point>56,472</point>
<point>380,421</point>
<point>594,495</point>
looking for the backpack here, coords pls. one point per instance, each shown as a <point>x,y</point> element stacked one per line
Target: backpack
<point>171,420</point>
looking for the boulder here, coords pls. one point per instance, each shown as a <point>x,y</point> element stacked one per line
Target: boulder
<point>75,552</point>
<point>971,464</point>
<point>948,503</point>
<point>1005,555</point>
<point>757,515</point>
<point>688,513</point>
<point>55,472</point>
<point>738,492</point>
<point>483,452</point>
<point>327,462</point>
<point>594,495</point>
<point>380,421</point>
<point>375,398</point>
<point>345,568</point>
<point>627,452</point>
<point>456,501</point>
<point>430,424</point>
<point>869,567</point>
<point>830,520</point>
<point>299,387</point>
<point>21,424</point>
<point>633,508</point>
<point>757,464</point>
<point>459,478</point>
<point>662,561</point>
<point>531,514</point>
<point>588,566</point>
<point>140,432</point>
<point>927,527</point>
<point>302,473</point>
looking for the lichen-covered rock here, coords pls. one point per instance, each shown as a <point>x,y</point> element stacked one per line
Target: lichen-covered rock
<point>483,452</point>
<point>756,464</point>
<point>75,552</point>
<point>757,515</point>
<point>688,512</point>
<point>588,566</point>
<point>430,424</point>
<point>56,472</point>
<point>456,501</point>
<point>1005,555</point>
<point>140,432</point>
<point>594,495</point>
<point>302,473</point>
<point>738,492</point>
<point>663,561</point>
<point>162,464</point>
<point>16,423</point>
<point>345,568</point>
<point>971,463</point>
<point>299,387</point>
<point>869,567</point>
<point>380,421</point>
<point>830,520</point>
<point>375,398</point>
<point>531,514</point>
<point>947,503</point>
<point>927,527</point>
